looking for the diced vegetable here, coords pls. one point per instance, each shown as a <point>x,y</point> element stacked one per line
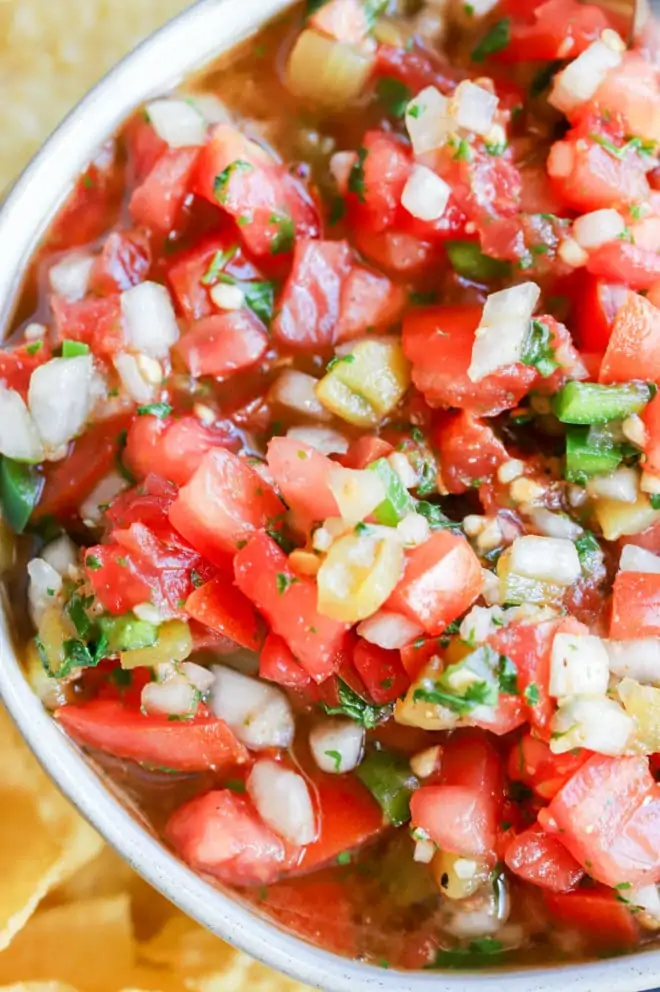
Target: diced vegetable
<point>337,745</point>
<point>391,782</point>
<point>397,503</point>
<point>503,330</point>
<point>259,714</point>
<point>325,71</point>
<point>593,722</point>
<point>591,403</point>
<point>365,385</point>
<point>127,633</point>
<point>173,643</point>
<point>642,703</point>
<point>20,489</point>
<point>580,80</point>
<point>624,519</point>
<point>579,665</point>
<point>178,122</point>
<point>61,396</point>
<point>546,559</point>
<point>19,438</point>
<point>358,493</point>
<point>150,325</point>
<point>282,799</point>
<point>358,575</point>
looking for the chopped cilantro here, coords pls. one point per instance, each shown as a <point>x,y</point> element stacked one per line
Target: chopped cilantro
<point>196,578</point>
<point>436,518</point>
<point>88,182</point>
<point>235,785</point>
<point>345,359</point>
<point>358,709</point>
<point>280,538</point>
<point>463,151</point>
<point>415,110</point>
<point>494,41</point>
<point>632,145</point>
<point>356,177</point>
<point>72,349</point>
<point>221,181</point>
<point>361,528</point>
<point>76,609</point>
<point>654,500</point>
<point>286,232</point>
<point>35,347</point>
<point>394,95</point>
<point>538,351</point>
<point>284,582</point>
<point>122,677</point>
<point>337,210</point>
<point>344,858</point>
<point>336,758</point>
<point>218,263</point>
<point>478,953</point>
<point>589,551</point>
<point>507,675</point>
<point>160,410</point>
<point>532,695</point>
<point>495,148</point>
<point>92,563</point>
<point>476,694</point>
<point>419,299</point>
<point>543,77</point>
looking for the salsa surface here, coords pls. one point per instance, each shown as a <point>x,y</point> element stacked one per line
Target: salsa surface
<point>330,425</point>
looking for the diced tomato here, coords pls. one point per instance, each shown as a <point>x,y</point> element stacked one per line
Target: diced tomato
<point>308,309</point>
<point>543,860</point>
<point>438,341</point>
<point>631,92</point>
<point>468,448</point>
<point>221,606</point>
<point>651,418</point>
<point>309,906</point>
<point>145,147</point>
<point>92,207</point>
<point>223,344</point>
<point>289,604</point>
<point>302,474</point>
<point>92,456</point>
<point>385,165</point>
<point>381,671</point>
<point>398,252</point>
<point>124,261</point>
<point>222,505</point>
<point>456,818</point>
<point>187,269</point>
<point>632,264</point>
<point>202,743</point>
<point>18,364</point>
<point>633,351</point>
<point>414,656</point>
<point>588,177</point>
<point>442,579</point>
<point>596,307</point>
<point>598,914</point>
<point>148,504</point>
<point>96,322</point>
<point>369,301</point>
<point>343,20</point>
<point>172,447</point>
<point>115,580</point>
<point>277,663</point>
<point>635,606</point>
<point>222,834</point>
<point>531,761</point>
<point>608,816</point>
<point>417,68</point>
<point>158,201</point>
<point>562,29</point>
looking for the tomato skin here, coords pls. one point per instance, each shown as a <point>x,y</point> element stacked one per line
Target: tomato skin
<point>417,68</point>
<point>531,761</point>
<point>587,177</point>
<point>562,29</point>
<point>442,579</point>
<point>223,344</point>
<point>632,264</point>
<point>277,663</point>
<point>529,646</point>
<point>598,913</point>
<point>175,447</point>
<point>144,146</point>
<point>368,300</point>
<point>124,261</point>
<point>398,252</point>
<point>223,504</point>
<point>158,201</point>
<point>218,604</point>
<point>199,744</point>
<point>17,366</point>
<point>222,834</point>
<point>366,449</point>
<point>438,341</point>
<point>631,91</point>
<point>468,450</point>
<point>386,165</point>
<point>186,270</point>
<point>635,606</point>
<point>542,859</point>
<point>608,816</point>
<point>302,474</point>
<point>381,671</point>
<point>315,640</point>
<point>633,351</point>
<point>308,308</point>
<point>96,322</point>
<point>597,305</point>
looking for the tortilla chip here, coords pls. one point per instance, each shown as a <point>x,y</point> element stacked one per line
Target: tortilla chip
<point>38,987</point>
<point>87,944</point>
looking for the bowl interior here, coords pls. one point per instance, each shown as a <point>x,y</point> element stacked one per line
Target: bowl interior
<point>207,29</point>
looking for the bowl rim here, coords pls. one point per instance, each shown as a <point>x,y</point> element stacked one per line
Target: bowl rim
<point>184,44</point>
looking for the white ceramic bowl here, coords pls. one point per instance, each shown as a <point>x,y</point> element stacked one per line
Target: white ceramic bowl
<point>193,39</point>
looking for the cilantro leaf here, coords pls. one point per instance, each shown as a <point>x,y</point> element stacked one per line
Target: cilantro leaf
<point>160,410</point>
<point>394,95</point>
<point>538,351</point>
<point>218,263</point>
<point>221,182</point>
<point>358,709</point>
<point>494,41</point>
<point>356,177</point>
<point>286,233</point>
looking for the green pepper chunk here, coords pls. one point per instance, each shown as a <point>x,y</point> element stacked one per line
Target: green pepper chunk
<point>584,458</point>
<point>398,502</point>
<point>127,633</point>
<point>593,403</point>
<point>389,779</point>
<point>20,488</point>
<point>468,260</point>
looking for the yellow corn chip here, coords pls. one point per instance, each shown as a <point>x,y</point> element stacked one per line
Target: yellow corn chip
<point>38,987</point>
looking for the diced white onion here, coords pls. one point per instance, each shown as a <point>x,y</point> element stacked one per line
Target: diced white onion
<point>44,585</point>
<point>175,697</point>
<point>579,81</point>
<point>579,666</point>
<point>473,107</point>
<point>35,331</point>
<point>424,852</point>
<point>227,297</point>
<point>638,659</point>
<point>480,917</point>
<point>425,194</point>
<point>212,109</point>
<point>198,676</point>
<point>177,122</point>
<point>646,900</point>
<point>598,227</point>
<point>634,559</point>
<point>323,439</point>
<point>554,524</point>
<point>358,492</point>
<point>62,554</point>
<point>389,630</point>
<point>295,390</point>
<point>61,396</point>
<point>547,559</point>
<point>327,72</point>
<point>70,276</point>
<point>427,120</point>
<point>93,508</point>
<point>337,745</point>
<point>283,801</point>
<point>503,329</point>
<point>622,486</point>
<point>259,714</point>
<point>341,165</point>
<point>413,530</point>
<point>401,465</point>
<point>426,762</point>
<point>481,622</point>
<point>149,320</point>
<point>149,613</point>
<point>19,438</point>
<point>594,722</point>
<point>510,470</point>
<point>132,379</point>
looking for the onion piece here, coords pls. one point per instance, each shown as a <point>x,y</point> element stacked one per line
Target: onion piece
<point>638,659</point>
<point>358,575</point>
<point>178,122</point>
<point>553,524</point>
<point>546,559</point>
<point>425,194</point>
<point>598,227</point>
<point>295,390</point>
<point>358,492</point>
<point>70,276</point>
<point>579,666</point>
<point>175,697</point>
<point>19,438</point>
<point>634,559</point>
<point>149,320</point>
<point>595,722</point>
<point>619,519</point>
<point>337,745</point>
<point>62,554</point>
<point>473,107</point>
<point>132,378</point>
<point>197,675</point>
<point>61,396</point>
<point>622,485</point>
<point>282,799</point>
<point>503,329</point>
<point>482,621</point>
<point>327,72</point>
<point>44,586</point>
<point>389,630</point>
<point>212,109</point>
<point>579,81</point>
<point>93,508</point>
<point>260,715</point>
<point>427,120</point>
<point>323,439</point>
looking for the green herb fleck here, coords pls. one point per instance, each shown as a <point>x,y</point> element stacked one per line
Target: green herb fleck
<point>394,95</point>
<point>538,351</point>
<point>160,410</point>
<point>532,695</point>
<point>218,263</point>
<point>494,41</point>
<point>356,178</point>
<point>286,233</point>
<point>358,709</point>
<point>72,349</point>
<point>336,758</point>
<point>221,181</point>
<point>284,582</point>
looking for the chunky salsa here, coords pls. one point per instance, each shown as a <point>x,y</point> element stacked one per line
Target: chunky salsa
<point>331,427</point>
